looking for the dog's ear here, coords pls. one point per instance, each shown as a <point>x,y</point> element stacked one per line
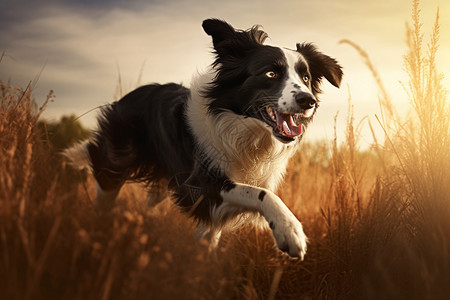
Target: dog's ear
<point>219,30</point>
<point>229,41</point>
<point>320,65</point>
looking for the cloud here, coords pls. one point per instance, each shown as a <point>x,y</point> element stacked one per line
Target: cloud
<point>84,48</point>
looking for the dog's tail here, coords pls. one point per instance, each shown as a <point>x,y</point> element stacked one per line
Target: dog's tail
<point>78,156</point>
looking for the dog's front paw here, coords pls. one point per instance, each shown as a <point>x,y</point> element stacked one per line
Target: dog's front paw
<point>289,236</point>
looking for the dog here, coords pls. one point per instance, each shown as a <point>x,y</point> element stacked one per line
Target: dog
<point>222,146</point>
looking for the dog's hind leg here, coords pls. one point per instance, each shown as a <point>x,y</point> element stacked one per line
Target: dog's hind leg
<point>108,172</point>
<point>88,155</point>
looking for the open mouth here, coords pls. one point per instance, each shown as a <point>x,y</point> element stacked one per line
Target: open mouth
<point>286,127</point>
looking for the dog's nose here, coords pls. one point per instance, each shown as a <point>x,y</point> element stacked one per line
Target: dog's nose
<point>305,100</point>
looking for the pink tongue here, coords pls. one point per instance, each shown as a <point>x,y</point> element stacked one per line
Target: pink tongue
<point>286,125</point>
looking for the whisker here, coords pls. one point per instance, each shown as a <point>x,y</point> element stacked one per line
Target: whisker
<point>261,103</point>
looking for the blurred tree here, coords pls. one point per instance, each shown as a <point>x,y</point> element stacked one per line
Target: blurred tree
<point>63,133</point>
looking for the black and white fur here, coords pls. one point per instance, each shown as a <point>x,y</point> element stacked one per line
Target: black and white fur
<point>222,146</point>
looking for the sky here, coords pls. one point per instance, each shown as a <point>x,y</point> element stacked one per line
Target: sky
<point>84,50</point>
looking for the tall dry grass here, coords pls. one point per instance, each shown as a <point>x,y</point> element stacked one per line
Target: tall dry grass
<point>378,220</point>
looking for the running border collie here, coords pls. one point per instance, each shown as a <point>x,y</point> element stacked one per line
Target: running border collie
<point>222,146</point>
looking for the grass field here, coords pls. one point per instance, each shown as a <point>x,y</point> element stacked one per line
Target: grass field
<point>378,220</point>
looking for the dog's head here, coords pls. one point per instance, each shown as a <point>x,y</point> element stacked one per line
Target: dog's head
<point>277,86</point>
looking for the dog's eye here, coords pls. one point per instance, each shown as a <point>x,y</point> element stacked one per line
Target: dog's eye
<point>271,74</point>
<point>305,78</point>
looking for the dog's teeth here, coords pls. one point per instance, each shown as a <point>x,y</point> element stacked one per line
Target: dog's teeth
<point>286,128</point>
<point>270,112</point>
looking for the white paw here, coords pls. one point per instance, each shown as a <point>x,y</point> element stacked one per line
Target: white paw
<point>289,236</point>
